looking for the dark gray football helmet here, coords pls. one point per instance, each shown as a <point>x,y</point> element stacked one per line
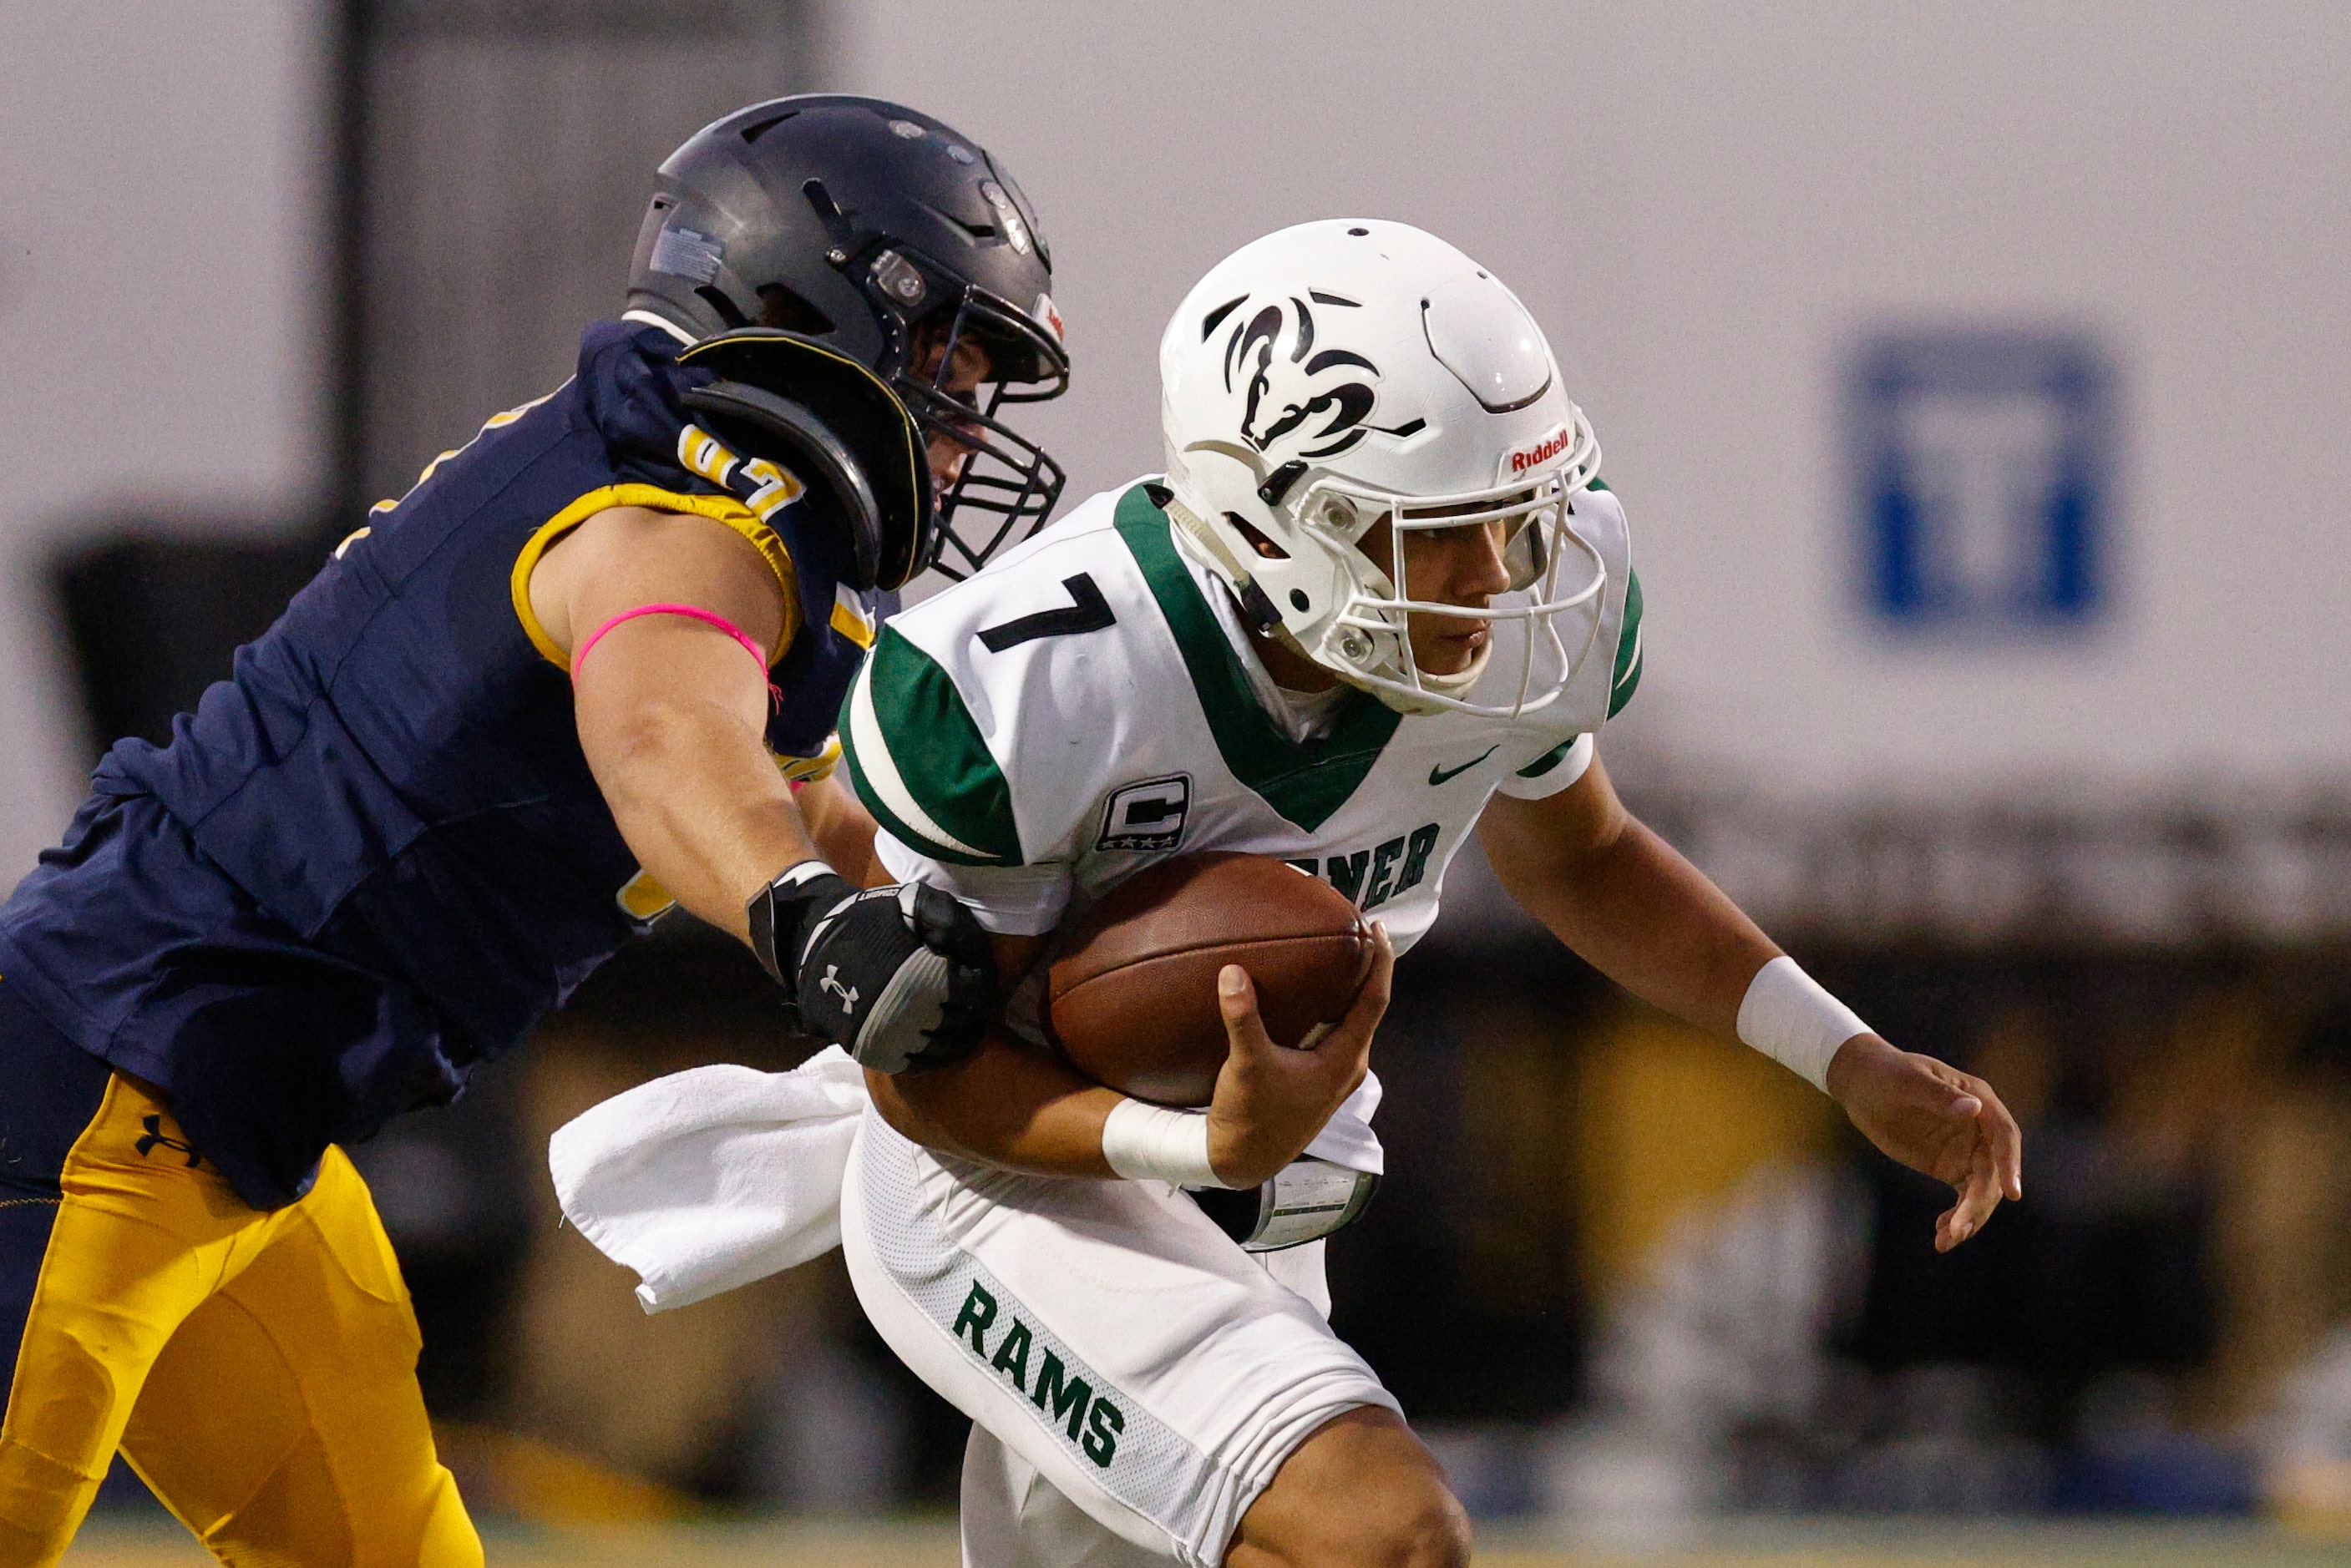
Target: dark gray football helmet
<point>841,256</point>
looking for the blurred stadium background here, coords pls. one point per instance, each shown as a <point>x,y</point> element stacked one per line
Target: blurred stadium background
<point>1976,378</point>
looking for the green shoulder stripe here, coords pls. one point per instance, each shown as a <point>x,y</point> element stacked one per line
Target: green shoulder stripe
<point>1549,760</point>
<point>1305,784</point>
<point>1628,650</point>
<point>919,762</point>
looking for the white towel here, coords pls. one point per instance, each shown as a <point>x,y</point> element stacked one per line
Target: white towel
<point>711,1179</point>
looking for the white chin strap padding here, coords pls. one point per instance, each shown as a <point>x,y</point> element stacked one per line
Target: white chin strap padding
<point>1459,685</point>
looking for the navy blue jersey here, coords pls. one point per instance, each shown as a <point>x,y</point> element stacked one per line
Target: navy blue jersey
<point>375,855</point>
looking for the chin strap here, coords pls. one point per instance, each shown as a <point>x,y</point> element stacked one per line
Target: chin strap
<point>1256,609</point>
<point>1458,685</point>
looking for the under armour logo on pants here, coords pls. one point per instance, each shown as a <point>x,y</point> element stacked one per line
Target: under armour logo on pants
<point>155,1136</point>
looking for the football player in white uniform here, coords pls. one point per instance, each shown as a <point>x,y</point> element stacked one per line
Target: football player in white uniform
<point>1379,597</point>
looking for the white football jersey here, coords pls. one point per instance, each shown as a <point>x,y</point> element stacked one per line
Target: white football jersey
<point>1085,705</point>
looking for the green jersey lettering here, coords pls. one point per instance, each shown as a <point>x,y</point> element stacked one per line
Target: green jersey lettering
<point>1069,1395</point>
<point>1415,857</point>
<point>1347,872</point>
<point>1384,861</point>
<point>978,1311</point>
<point>1103,1428</point>
<point>1012,1355</point>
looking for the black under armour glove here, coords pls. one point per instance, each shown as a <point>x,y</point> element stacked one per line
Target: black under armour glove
<point>898,977</point>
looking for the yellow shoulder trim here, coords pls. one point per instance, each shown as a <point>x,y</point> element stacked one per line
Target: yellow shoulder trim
<point>848,618</point>
<point>717,508</point>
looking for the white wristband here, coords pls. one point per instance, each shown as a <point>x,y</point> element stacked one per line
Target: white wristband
<point>1151,1143</point>
<point>1788,1016</point>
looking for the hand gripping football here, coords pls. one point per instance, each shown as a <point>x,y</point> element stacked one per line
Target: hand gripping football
<point>1132,991</point>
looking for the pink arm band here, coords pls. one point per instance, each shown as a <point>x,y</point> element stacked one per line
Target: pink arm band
<point>690,613</point>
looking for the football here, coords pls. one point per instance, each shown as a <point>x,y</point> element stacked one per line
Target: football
<point>1132,989</point>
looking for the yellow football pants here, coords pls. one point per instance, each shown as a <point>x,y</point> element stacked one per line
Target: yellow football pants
<point>257,1369</point>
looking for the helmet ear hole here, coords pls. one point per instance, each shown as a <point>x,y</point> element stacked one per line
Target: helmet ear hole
<point>725,308</point>
<point>1525,555</point>
<point>781,307</point>
<point>1257,539</point>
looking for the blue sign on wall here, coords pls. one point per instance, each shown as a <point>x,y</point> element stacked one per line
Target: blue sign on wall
<point>1982,472</point>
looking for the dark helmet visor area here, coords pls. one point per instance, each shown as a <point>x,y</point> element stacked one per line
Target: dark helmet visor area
<point>967,362</point>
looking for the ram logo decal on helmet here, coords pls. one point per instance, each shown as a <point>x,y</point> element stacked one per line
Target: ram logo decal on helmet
<point>1323,399</point>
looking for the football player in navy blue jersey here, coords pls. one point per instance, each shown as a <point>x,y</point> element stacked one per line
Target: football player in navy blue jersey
<point>570,677</point>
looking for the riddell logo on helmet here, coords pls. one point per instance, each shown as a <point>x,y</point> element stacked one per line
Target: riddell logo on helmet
<point>1542,452</point>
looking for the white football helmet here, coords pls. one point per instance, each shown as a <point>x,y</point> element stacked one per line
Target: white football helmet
<point>1336,374</point>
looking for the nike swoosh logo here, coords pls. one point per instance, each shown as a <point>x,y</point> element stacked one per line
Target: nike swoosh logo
<point>1438,775</point>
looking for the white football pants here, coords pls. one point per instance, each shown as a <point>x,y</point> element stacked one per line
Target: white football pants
<point>1134,1379</point>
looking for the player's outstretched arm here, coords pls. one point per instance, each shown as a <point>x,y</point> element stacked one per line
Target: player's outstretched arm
<point>1629,904</point>
<point>844,830</point>
<point>670,623</point>
<point>1013,1106</point>
<point>672,709</point>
